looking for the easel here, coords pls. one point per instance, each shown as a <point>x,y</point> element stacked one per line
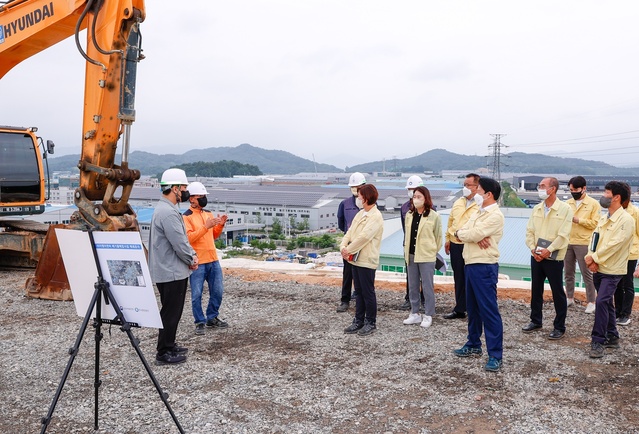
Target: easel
<point>103,292</point>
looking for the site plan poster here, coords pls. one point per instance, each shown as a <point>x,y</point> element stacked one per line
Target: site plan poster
<point>123,263</point>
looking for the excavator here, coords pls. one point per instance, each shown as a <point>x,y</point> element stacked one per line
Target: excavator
<point>112,51</point>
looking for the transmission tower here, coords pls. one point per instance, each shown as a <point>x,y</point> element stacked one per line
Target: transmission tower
<point>496,147</point>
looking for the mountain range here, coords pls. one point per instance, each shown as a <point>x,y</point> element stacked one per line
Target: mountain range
<point>285,163</point>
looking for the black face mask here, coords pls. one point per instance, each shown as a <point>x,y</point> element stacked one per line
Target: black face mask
<point>184,196</point>
<point>202,201</point>
<point>576,195</point>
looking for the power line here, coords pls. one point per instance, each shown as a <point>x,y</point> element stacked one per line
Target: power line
<point>554,142</point>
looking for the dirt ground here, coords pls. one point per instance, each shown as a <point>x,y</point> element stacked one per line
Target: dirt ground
<point>285,365</point>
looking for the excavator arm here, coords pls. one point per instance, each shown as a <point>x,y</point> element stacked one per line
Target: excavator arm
<point>112,51</point>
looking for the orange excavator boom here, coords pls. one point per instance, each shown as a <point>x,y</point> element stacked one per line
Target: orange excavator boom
<point>112,51</point>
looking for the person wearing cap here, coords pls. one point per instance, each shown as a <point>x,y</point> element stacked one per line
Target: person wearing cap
<point>171,260</point>
<point>346,212</point>
<point>412,183</point>
<point>202,228</point>
<point>460,213</point>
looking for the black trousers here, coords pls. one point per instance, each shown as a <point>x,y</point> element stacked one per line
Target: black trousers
<point>172,295</point>
<point>625,292</point>
<point>459,275</point>
<point>347,281</point>
<point>366,299</point>
<point>551,270</point>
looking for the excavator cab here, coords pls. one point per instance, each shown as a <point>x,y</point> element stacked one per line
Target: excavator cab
<point>22,186</point>
<point>22,193</point>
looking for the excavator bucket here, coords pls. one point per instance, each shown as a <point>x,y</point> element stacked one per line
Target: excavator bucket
<point>50,281</point>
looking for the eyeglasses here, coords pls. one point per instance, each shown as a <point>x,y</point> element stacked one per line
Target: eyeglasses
<point>470,185</point>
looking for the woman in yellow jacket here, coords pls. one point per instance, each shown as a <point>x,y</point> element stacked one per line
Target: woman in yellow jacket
<point>360,247</point>
<point>422,241</point>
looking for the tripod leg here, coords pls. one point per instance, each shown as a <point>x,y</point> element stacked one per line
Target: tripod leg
<point>126,327</point>
<point>101,286</point>
<point>73,351</point>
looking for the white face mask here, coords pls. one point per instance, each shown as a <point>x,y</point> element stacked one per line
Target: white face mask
<point>410,193</point>
<point>466,192</point>
<point>354,191</point>
<point>359,203</point>
<point>543,194</point>
<point>418,203</point>
<point>479,199</point>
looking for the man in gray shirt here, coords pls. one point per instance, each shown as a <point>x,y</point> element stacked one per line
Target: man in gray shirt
<point>171,259</point>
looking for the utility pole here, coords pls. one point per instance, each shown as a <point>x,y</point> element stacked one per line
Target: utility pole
<point>496,156</point>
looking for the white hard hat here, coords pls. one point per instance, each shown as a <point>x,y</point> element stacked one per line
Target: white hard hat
<point>356,180</point>
<point>414,182</point>
<point>196,188</point>
<point>174,177</point>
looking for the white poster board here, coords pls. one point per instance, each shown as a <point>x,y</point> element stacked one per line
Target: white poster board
<point>123,264</point>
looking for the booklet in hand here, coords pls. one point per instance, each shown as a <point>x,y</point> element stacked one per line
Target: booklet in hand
<point>353,257</point>
<point>544,244</point>
<point>594,241</point>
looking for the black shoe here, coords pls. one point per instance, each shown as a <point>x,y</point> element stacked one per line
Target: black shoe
<point>169,358</point>
<point>353,328</point>
<point>405,306</point>
<point>531,327</point>
<point>455,315</point>
<point>343,307</point>
<point>597,350</point>
<point>611,342</point>
<point>556,334</point>
<point>179,350</point>
<point>623,321</point>
<point>199,329</point>
<point>217,323</point>
<point>368,329</point>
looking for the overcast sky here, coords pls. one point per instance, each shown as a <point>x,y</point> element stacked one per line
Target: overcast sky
<point>353,81</point>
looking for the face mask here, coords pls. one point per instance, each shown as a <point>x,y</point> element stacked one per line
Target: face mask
<point>576,195</point>
<point>354,191</point>
<point>543,194</point>
<point>410,193</point>
<point>605,202</point>
<point>202,201</point>
<point>479,199</point>
<point>418,203</point>
<point>184,196</point>
<point>466,192</point>
<point>359,203</point>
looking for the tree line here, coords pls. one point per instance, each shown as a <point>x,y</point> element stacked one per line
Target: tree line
<point>219,169</point>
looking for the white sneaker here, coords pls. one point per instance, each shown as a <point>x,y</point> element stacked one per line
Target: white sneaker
<point>413,318</point>
<point>590,308</point>
<point>570,301</point>
<point>427,321</point>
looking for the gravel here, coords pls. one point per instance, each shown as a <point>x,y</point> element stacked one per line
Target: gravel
<point>285,366</point>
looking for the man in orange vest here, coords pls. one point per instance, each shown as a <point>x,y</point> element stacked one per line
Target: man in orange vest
<point>202,228</point>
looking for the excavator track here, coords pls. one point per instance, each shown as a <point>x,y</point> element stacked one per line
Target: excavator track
<point>22,242</point>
